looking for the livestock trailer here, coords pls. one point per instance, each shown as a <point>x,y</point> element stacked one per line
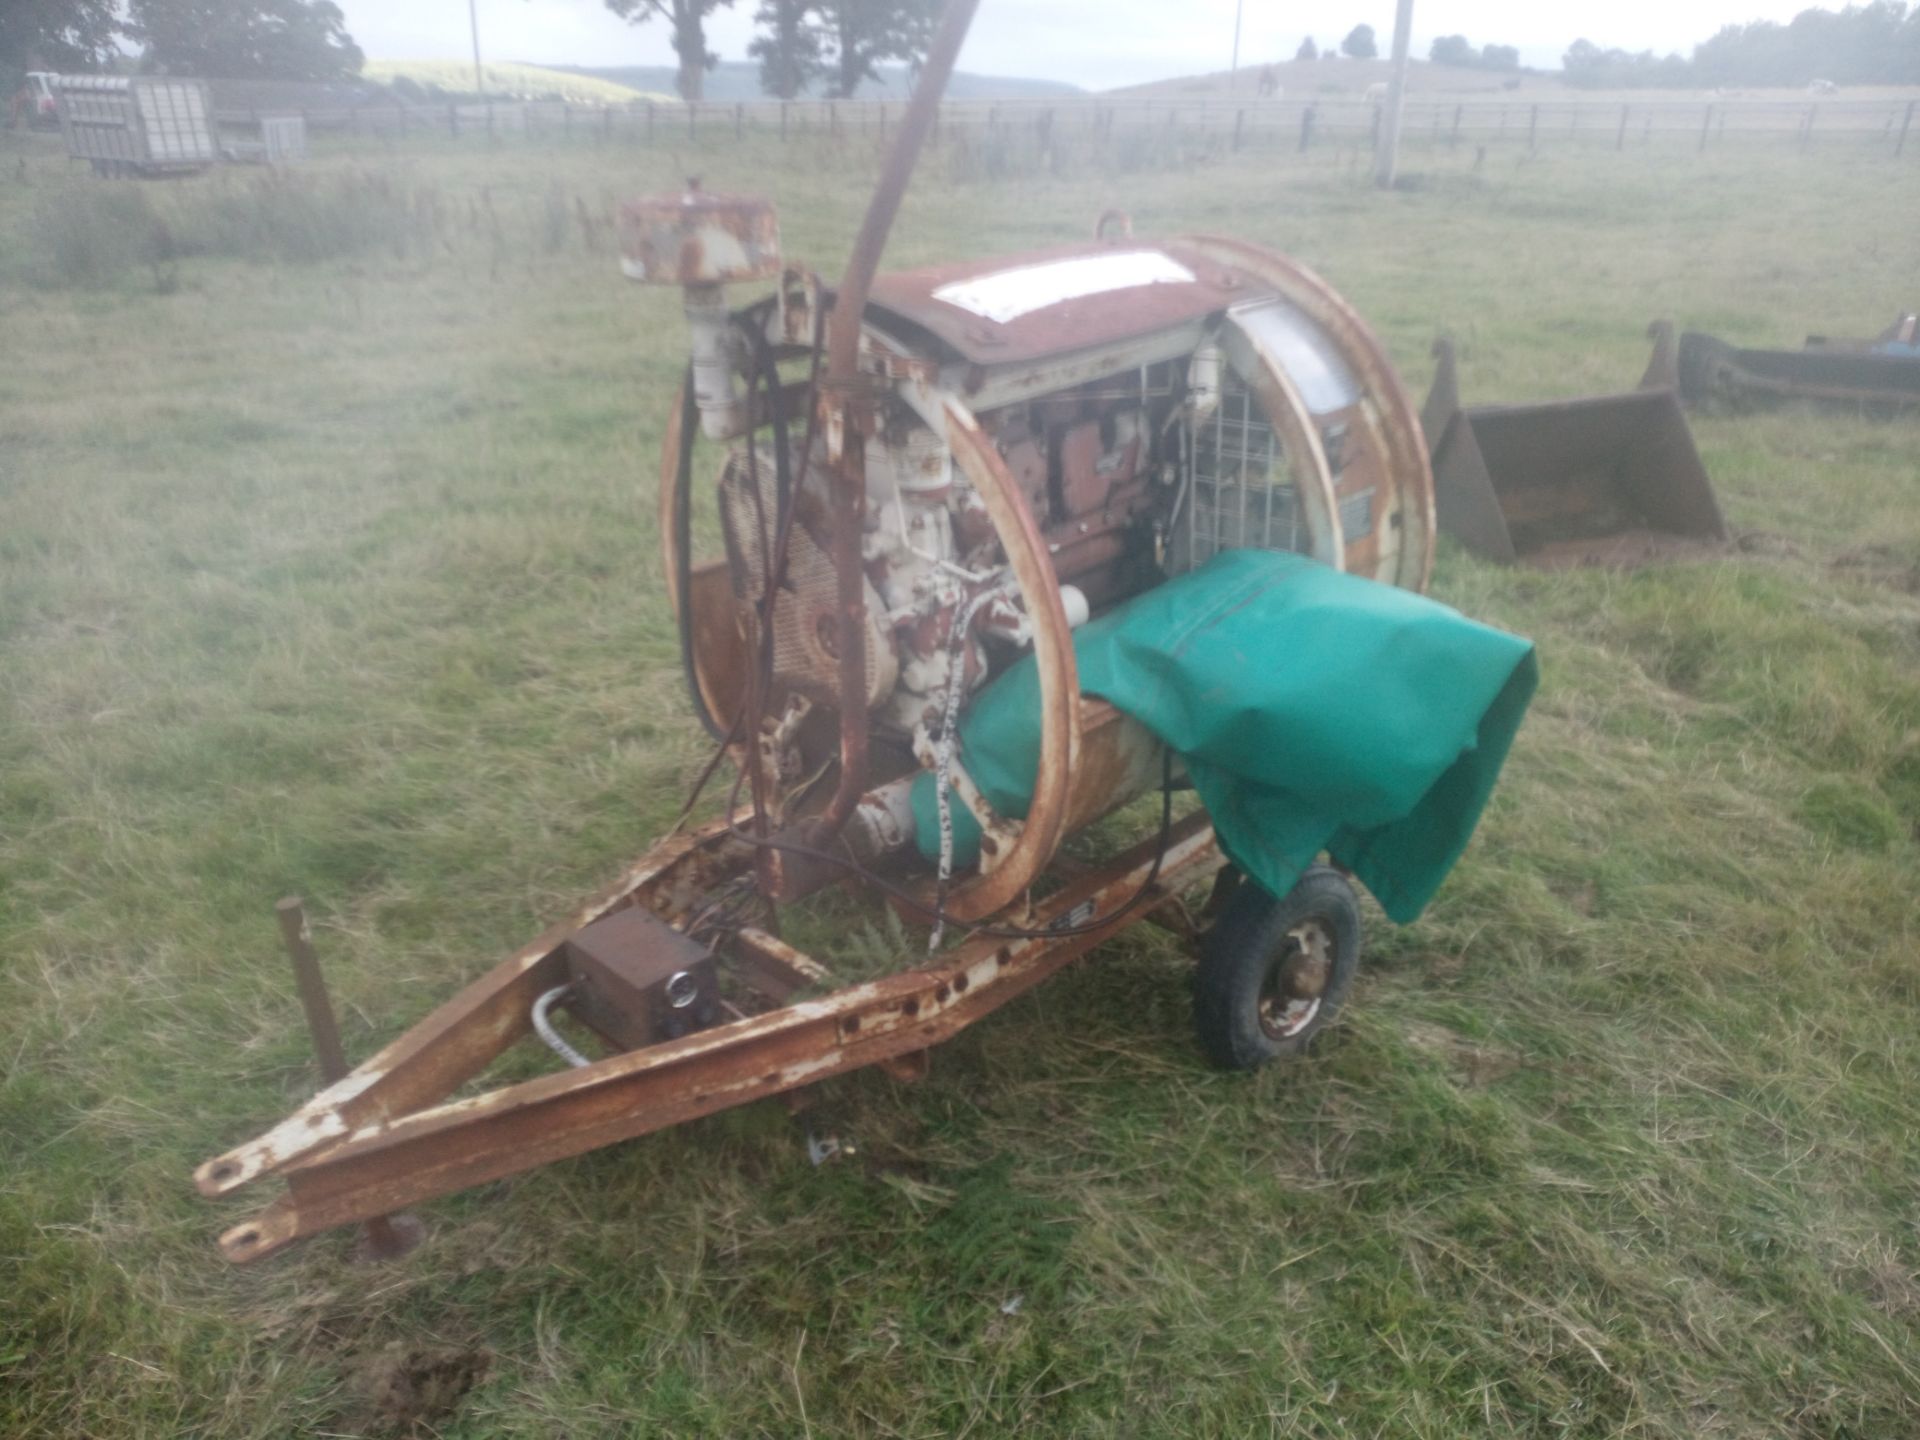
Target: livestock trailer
<point>137,124</point>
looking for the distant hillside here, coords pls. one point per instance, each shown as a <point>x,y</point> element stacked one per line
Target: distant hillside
<point>1304,79</point>
<point>511,80</point>
<point>740,80</point>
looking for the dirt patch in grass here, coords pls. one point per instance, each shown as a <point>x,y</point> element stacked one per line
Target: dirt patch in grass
<point>1880,565</point>
<point>410,1389</point>
<point>1477,1063</point>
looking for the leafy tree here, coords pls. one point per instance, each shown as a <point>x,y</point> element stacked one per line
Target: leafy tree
<point>1308,50</point>
<point>1359,44</point>
<point>244,39</point>
<point>1873,44</point>
<point>788,49</point>
<point>1876,43</point>
<point>1588,66</point>
<point>1458,50</point>
<point>860,34</point>
<point>689,21</point>
<point>54,35</point>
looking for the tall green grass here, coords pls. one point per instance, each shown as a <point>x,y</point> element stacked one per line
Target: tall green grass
<point>340,577</point>
<point>92,233</point>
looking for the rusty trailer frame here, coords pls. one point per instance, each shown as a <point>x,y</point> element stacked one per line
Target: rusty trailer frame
<point>385,1136</point>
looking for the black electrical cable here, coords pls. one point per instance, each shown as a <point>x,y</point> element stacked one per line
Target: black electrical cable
<point>787,485</point>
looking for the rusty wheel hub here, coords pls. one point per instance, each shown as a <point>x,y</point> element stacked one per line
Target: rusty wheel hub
<point>1296,980</point>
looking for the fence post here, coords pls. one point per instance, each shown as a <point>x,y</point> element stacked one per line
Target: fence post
<point>1458,110</point>
<point>1905,125</point>
<point>1706,125</point>
<point>1620,140</point>
<point>1806,132</point>
<point>1239,124</point>
<point>1306,129</point>
<point>1533,129</point>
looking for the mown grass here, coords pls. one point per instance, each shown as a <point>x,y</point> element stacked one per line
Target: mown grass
<point>340,577</point>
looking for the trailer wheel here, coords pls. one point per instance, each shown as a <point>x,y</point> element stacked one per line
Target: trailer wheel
<point>1273,973</point>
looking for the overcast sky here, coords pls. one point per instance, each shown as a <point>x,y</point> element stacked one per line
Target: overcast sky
<point>1093,43</point>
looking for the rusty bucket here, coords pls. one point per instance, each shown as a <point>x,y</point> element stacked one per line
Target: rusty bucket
<point>1595,480</point>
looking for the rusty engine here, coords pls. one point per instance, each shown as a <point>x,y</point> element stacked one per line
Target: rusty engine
<point>1036,439</point>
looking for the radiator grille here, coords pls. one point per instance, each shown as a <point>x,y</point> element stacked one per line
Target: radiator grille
<point>804,608</point>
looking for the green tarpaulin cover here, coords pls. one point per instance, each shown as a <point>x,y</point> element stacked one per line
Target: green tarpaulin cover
<point>1314,710</point>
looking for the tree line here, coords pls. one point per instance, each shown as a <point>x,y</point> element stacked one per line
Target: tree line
<point>237,39</point>
<point>1873,44</point>
<point>802,45</point>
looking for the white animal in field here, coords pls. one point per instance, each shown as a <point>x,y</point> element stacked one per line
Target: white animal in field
<point>1376,93</point>
<point>1823,87</point>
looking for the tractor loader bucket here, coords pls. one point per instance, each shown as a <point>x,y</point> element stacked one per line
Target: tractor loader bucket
<point>1878,374</point>
<point>1596,480</point>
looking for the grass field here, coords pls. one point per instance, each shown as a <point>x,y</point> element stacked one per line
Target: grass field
<point>510,78</point>
<point>327,564</point>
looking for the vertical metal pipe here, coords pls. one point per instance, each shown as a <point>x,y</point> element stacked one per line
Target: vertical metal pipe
<point>842,416</point>
<point>1387,155</point>
<point>321,1023</point>
<point>384,1237</point>
<point>473,22</point>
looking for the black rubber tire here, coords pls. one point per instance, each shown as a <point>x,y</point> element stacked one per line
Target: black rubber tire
<point>1243,953</point>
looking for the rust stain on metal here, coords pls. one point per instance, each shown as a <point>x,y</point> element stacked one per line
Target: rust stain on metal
<point>395,1162</point>
<point>699,238</point>
<point>1120,309</point>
